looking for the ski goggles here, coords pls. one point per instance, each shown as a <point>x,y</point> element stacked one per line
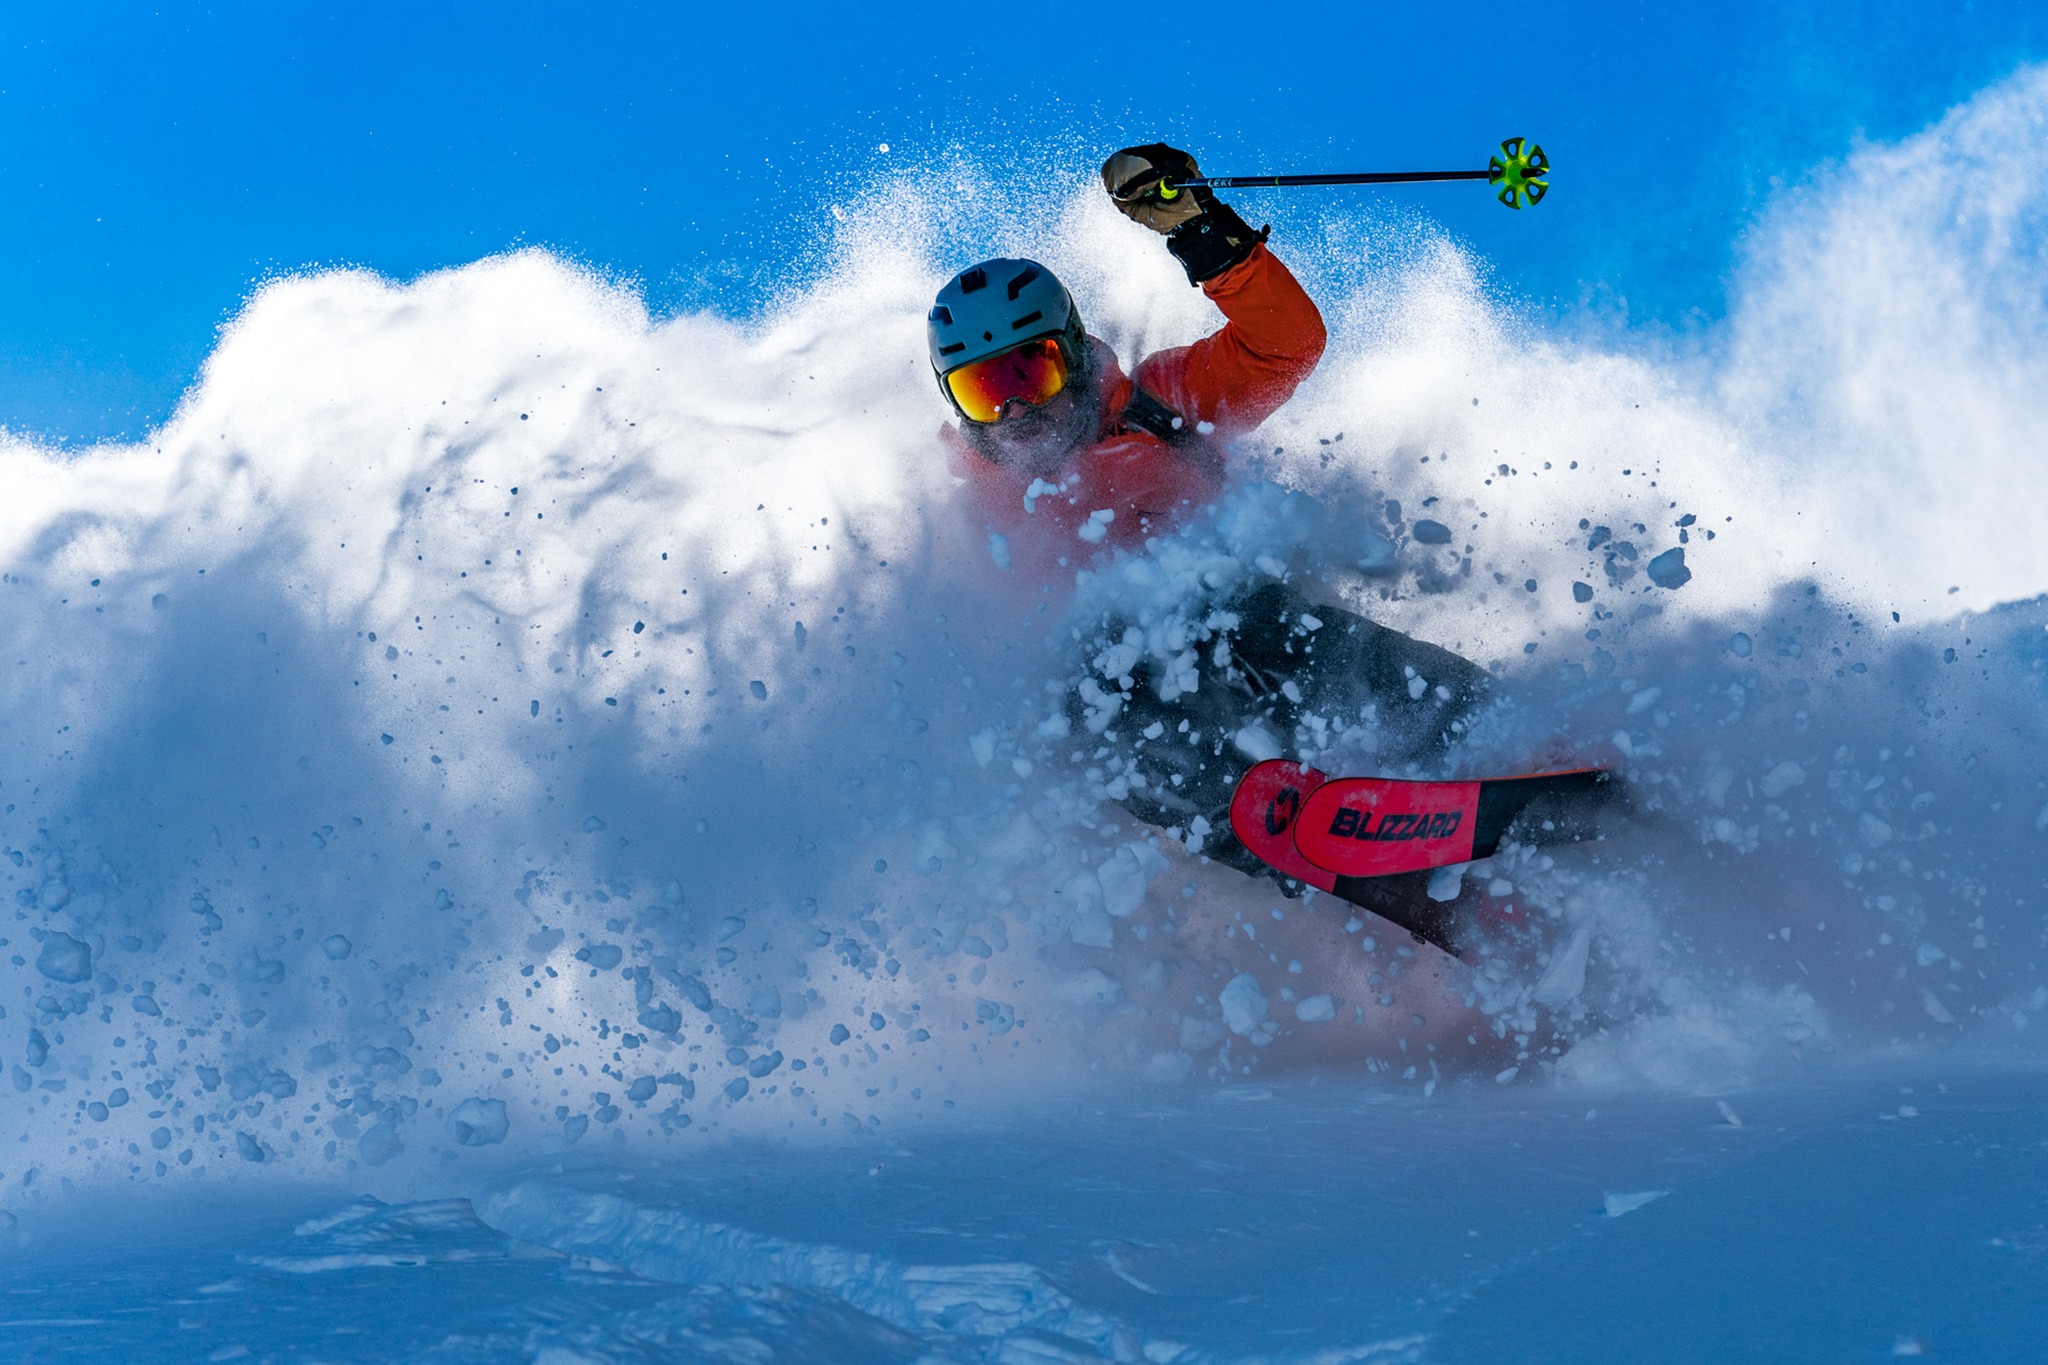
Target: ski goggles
<point>1032,373</point>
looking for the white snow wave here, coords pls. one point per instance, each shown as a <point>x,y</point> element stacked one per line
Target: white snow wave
<point>986,1311</point>
<point>963,1311</point>
<point>486,717</point>
<point>370,1234</point>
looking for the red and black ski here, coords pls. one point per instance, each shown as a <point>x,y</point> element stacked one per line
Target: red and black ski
<point>1373,841</point>
<point>1263,811</point>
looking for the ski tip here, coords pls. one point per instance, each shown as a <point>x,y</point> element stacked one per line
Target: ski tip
<point>1263,810</point>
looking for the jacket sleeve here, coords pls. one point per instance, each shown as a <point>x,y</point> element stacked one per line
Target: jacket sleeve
<point>1270,342</point>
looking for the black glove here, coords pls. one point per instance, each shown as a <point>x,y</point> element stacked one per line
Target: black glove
<point>1204,233</point>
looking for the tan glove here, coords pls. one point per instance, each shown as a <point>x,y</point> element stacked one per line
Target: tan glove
<point>1136,177</point>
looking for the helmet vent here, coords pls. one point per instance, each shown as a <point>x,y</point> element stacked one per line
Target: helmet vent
<point>974,279</point>
<point>1027,320</point>
<point>954,348</point>
<point>1024,277</point>
<point>942,315</point>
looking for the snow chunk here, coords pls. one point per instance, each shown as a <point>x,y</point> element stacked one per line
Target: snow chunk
<point>1119,659</point>
<point>479,1122</point>
<point>1124,877</point>
<point>1244,1004</point>
<point>64,959</point>
<point>1256,744</point>
<point>1446,882</point>
<point>337,947</point>
<point>1317,1009</point>
<point>254,967</point>
<point>1668,569</point>
<point>999,1016</point>
<point>982,744</point>
<point>1782,779</point>
<point>380,1144</point>
<point>1565,977</point>
<point>1619,1203</point>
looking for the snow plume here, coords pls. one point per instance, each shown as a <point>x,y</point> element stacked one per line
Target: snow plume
<point>487,720</point>
<point>1889,343</point>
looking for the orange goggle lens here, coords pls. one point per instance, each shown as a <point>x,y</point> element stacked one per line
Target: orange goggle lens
<point>1031,373</point>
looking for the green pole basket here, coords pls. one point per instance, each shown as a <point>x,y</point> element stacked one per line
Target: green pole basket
<point>1519,174</point>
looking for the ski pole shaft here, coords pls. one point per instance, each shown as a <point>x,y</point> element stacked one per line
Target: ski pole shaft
<point>1519,174</point>
<point>1240,182</point>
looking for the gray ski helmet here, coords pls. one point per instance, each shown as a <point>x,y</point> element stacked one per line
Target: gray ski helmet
<point>988,308</point>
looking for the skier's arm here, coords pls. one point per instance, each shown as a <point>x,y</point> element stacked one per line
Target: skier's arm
<point>1269,344</point>
<point>1273,334</point>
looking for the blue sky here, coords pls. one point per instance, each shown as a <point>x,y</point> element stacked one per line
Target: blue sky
<point>159,160</point>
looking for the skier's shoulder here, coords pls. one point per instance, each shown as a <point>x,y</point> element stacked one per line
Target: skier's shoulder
<point>1160,369</point>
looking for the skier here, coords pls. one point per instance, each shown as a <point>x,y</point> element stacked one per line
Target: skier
<point>1044,405</point>
<point>1057,445</point>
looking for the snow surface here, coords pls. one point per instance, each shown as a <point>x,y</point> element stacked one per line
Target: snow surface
<point>488,729</point>
<point>1298,1222</point>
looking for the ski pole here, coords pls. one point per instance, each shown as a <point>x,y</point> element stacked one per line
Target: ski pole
<point>1519,171</point>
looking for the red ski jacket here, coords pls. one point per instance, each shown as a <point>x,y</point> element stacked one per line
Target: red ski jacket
<point>1222,386</point>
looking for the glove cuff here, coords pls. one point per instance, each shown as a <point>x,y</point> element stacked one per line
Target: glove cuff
<point>1213,243</point>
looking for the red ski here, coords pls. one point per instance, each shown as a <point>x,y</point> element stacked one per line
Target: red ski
<point>1263,812</point>
<point>1373,840</point>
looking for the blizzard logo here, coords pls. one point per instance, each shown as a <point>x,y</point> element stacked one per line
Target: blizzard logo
<point>1357,824</point>
<point>1282,809</point>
